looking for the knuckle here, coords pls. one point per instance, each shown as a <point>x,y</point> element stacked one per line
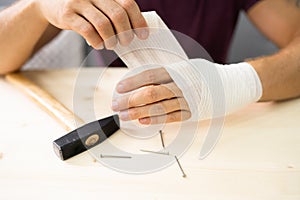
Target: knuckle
<point>127,4</point>
<point>134,113</point>
<point>86,30</point>
<point>150,94</point>
<point>118,15</point>
<point>69,6</point>
<point>158,108</point>
<point>131,101</point>
<point>150,76</point>
<point>166,104</point>
<point>103,24</point>
<point>67,12</point>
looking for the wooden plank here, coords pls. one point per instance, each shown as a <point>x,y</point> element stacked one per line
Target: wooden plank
<point>47,102</point>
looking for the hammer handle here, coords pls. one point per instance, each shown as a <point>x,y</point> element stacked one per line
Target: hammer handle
<point>47,102</point>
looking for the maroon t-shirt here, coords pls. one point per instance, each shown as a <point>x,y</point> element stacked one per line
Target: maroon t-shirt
<point>210,22</point>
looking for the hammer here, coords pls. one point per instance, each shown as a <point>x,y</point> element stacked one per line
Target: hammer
<point>77,140</point>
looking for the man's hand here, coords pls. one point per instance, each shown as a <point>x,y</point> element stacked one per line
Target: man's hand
<point>97,20</point>
<point>154,98</point>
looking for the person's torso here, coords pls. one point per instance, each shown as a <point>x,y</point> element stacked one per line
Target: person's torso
<point>210,22</point>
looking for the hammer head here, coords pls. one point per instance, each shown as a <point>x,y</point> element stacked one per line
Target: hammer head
<point>85,137</point>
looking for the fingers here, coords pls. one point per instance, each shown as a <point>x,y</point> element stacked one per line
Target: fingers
<point>102,25</point>
<point>84,28</point>
<point>137,20</point>
<point>147,95</point>
<point>148,77</point>
<point>154,98</point>
<point>170,117</point>
<point>98,20</point>
<point>156,109</point>
<point>119,18</point>
<point>125,15</point>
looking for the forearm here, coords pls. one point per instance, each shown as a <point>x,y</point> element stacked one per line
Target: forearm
<point>280,73</point>
<point>21,28</point>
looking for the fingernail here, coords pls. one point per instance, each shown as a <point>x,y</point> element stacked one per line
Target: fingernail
<point>100,46</point>
<point>143,33</point>
<point>88,43</point>
<point>120,87</point>
<point>115,105</point>
<point>124,115</point>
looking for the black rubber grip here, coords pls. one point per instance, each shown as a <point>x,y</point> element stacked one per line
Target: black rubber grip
<point>85,137</point>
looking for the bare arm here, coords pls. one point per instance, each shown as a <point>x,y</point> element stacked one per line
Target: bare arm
<point>279,20</point>
<point>22,32</point>
<point>163,101</point>
<point>29,24</point>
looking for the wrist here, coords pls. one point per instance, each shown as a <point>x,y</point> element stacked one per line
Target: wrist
<point>241,83</point>
<point>214,90</point>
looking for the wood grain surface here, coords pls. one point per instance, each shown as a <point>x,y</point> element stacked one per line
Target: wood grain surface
<point>257,156</point>
<point>47,102</point>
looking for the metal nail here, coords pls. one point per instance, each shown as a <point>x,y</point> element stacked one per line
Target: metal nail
<point>162,139</point>
<point>156,152</point>
<point>183,174</point>
<point>113,156</point>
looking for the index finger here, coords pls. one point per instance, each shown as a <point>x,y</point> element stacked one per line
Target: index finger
<point>148,77</point>
<point>148,95</point>
<point>136,18</point>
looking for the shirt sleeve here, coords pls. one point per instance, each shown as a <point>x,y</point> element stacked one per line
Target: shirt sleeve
<point>247,4</point>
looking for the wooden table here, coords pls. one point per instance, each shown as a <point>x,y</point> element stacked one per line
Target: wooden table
<point>257,157</point>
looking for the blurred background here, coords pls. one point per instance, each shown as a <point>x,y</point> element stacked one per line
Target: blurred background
<point>248,42</point>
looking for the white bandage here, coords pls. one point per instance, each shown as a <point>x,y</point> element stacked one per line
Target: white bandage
<point>214,90</point>
<point>161,47</point>
<point>211,90</point>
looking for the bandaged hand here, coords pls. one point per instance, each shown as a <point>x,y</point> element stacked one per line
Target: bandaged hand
<point>154,98</point>
<point>195,89</point>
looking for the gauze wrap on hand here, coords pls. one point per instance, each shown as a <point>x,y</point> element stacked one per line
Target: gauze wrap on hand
<point>211,90</point>
<point>214,90</point>
<point>161,47</point>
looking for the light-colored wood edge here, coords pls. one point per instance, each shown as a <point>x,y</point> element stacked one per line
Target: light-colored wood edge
<point>47,102</point>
